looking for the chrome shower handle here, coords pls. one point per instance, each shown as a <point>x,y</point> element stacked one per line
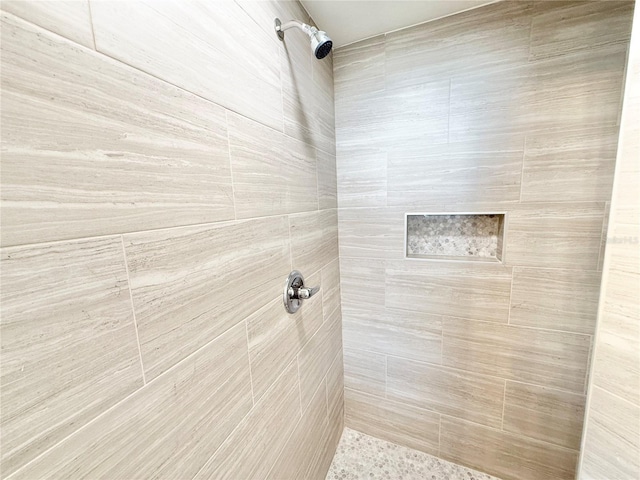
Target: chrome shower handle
<point>304,293</point>
<point>295,292</point>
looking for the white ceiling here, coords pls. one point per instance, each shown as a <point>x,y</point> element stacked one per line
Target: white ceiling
<point>347,21</point>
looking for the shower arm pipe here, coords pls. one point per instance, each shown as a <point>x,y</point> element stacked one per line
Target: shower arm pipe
<point>308,29</point>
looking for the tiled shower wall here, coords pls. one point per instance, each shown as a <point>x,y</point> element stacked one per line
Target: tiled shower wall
<point>165,165</point>
<point>512,107</point>
<point>611,443</point>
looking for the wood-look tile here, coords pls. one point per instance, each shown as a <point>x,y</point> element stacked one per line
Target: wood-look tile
<point>186,281</point>
<point>149,431</point>
<point>305,443</point>
<point>359,67</point>
<point>335,386</point>
<point>359,121</point>
<point>612,439</point>
<point>558,28</point>
<point>314,240</point>
<point>196,46</point>
<point>570,166</point>
<point>120,137</point>
<point>362,176</point>
<point>276,337</point>
<point>71,19</point>
<point>272,173</point>
<point>69,347</point>
<point>361,282</point>
<point>408,334</point>
<point>331,435</point>
<point>454,173</point>
<point>330,287</point>
<point>446,390</point>
<point>327,180</point>
<point>555,299</point>
<point>503,454</point>
<point>365,371</point>
<point>617,354</point>
<point>555,235</point>
<point>491,38</point>
<point>554,416</point>
<point>318,354</point>
<point>371,232</point>
<point>393,421</point>
<point>542,357</point>
<point>254,446</point>
<point>603,238</point>
<point>437,289</point>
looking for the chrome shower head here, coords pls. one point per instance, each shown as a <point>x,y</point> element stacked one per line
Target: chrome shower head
<point>321,44</point>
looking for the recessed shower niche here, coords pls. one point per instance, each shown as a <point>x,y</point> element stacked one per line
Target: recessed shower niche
<point>455,236</point>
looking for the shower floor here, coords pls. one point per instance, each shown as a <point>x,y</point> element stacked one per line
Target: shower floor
<point>361,457</point>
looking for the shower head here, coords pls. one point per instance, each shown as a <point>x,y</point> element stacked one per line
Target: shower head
<point>320,42</point>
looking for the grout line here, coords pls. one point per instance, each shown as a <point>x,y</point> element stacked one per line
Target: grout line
<point>291,246</point>
<point>233,188</point>
<point>504,404</point>
<point>510,298</point>
<point>133,310</point>
<point>386,376</point>
<point>253,395</point>
<point>93,32</point>
<point>297,360</point>
<point>524,150</point>
<point>606,214</point>
<point>439,435</point>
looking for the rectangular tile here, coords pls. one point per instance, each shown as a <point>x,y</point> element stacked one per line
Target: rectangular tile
<point>361,282</point>
<point>149,430</point>
<point>330,287</point>
<point>254,446</point>
<point>196,46</point>
<point>617,354</point>
<point>508,456</point>
<point>276,337</point>
<point>185,283</point>
<point>572,166</point>
<point>408,334</point>
<point>318,354</point>
<point>359,67</point>
<point>555,235</point>
<point>371,232</point>
<point>365,371</point>
<point>362,175</point>
<point>314,240</point>
<point>327,180</point>
<point>69,349</point>
<point>120,137</point>
<point>445,390</point>
<point>335,386</point>
<point>393,421</point>
<point>612,425</point>
<point>555,299</point>
<point>455,173</point>
<point>437,288</point>
<point>272,174</point>
<point>542,357</point>
<point>71,19</point>
<point>553,416</point>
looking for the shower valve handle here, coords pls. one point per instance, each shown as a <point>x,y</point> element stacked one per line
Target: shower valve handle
<point>295,292</point>
<point>303,293</point>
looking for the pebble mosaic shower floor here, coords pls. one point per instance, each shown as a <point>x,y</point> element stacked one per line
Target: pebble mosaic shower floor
<point>361,457</point>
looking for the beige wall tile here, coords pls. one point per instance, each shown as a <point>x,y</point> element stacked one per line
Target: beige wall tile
<point>555,299</point>
<point>317,355</point>
<point>94,147</point>
<point>327,182</point>
<point>272,174</point>
<point>408,334</point>
<point>359,67</point>
<point>314,240</point>
<point>556,235</point>
<point>558,29</point>
<point>570,166</point>
<point>454,173</point>
<point>305,443</point>
<point>330,287</point>
<point>196,46</point>
<point>542,357</point>
<point>335,386</point>
<point>276,337</point>
<point>150,430</point>
<point>254,446</point>
<point>554,416</point>
<point>508,456</point>
<point>445,390</point>
<point>393,421</point>
<point>362,176</point>
<point>362,282</point>
<point>612,439</point>
<point>71,19</point>
<point>186,283</point>
<point>68,342</point>
<point>437,287</point>
<point>365,371</point>
<point>371,232</point>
